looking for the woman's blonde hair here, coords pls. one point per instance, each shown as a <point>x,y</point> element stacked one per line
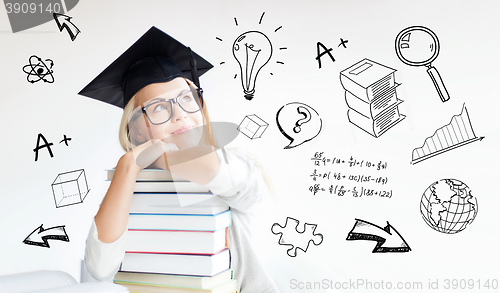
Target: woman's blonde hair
<point>128,142</point>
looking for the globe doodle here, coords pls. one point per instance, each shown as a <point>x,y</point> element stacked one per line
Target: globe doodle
<point>448,206</point>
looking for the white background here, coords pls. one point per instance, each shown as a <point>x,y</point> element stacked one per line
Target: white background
<point>468,64</point>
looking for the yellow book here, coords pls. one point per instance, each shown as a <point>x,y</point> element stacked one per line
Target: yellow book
<point>227,287</point>
<point>194,282</point>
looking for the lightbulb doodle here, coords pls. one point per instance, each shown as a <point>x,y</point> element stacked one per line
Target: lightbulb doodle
<point>299,123</point>
<point>37,70</point>
<point>252,50</point>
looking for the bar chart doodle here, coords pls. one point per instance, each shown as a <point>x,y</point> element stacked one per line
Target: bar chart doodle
<point>455,134</point>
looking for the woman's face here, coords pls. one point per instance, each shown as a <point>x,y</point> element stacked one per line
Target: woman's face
<point>183,129</point>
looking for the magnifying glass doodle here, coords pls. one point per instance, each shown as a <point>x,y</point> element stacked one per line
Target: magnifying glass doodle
<point>419,46</point>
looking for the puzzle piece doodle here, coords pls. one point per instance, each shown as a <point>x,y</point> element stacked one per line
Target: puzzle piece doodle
<point>291,236</point>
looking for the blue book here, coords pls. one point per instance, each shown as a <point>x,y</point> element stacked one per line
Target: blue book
<point>179,222</point>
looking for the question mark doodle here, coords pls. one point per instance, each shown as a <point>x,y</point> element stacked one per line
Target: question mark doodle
<point>307,118</point>
<point>295,128</point>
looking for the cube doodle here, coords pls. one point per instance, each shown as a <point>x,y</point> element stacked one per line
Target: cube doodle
<point>70,188</point>
<point>252,126</point>
<point>291,236</point>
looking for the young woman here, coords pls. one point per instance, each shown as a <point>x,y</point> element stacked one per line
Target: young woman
<point>165,124</point>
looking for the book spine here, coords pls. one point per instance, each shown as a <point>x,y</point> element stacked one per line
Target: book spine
<point>177,264</point>
<point>173,203</point>
<point>173,186</point>
<point>175,242</point>
<point>354,88</point>
<point>147,175</point>
<point>361,121</point>
<point>358,105</point>
<point>188,282</point>
<point>179,222</point>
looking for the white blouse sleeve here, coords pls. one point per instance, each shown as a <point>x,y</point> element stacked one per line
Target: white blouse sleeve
<point>238,182</point>
<point>103,259</point>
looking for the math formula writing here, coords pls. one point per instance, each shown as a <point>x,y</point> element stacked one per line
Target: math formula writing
<point>320,160</point>
<point>354,192</point>
<point>334,176</point>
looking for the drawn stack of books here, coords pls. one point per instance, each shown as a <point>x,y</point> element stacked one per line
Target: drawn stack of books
<point>370,94</point>
<point>177,238</point>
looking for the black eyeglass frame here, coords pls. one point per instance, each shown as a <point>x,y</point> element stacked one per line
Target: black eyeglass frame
<point>172,102</point>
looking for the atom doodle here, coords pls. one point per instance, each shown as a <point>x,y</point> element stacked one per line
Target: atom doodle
<point>37,70</point>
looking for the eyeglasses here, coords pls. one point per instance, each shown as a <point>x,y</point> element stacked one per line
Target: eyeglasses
<point>161,110</point>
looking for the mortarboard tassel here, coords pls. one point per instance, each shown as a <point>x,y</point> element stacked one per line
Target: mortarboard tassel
<point>194,69</point>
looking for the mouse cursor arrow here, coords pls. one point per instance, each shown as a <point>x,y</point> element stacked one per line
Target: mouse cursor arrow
<point>64,22</point>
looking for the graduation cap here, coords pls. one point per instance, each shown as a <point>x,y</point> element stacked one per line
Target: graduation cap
<point>155,57</point>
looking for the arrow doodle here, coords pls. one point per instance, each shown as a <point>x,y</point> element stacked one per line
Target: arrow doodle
<point>39,236</point>
<point>388,239</point>
<point>64,22</point>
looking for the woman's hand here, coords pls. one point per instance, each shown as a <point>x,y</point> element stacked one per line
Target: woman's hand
<point>147,153</point>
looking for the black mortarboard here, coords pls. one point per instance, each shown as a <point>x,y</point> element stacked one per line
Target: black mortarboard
<point>155,57</point>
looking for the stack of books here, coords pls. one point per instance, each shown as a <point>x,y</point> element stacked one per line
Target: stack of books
<point>177,238</point>
<point>370,94</point>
